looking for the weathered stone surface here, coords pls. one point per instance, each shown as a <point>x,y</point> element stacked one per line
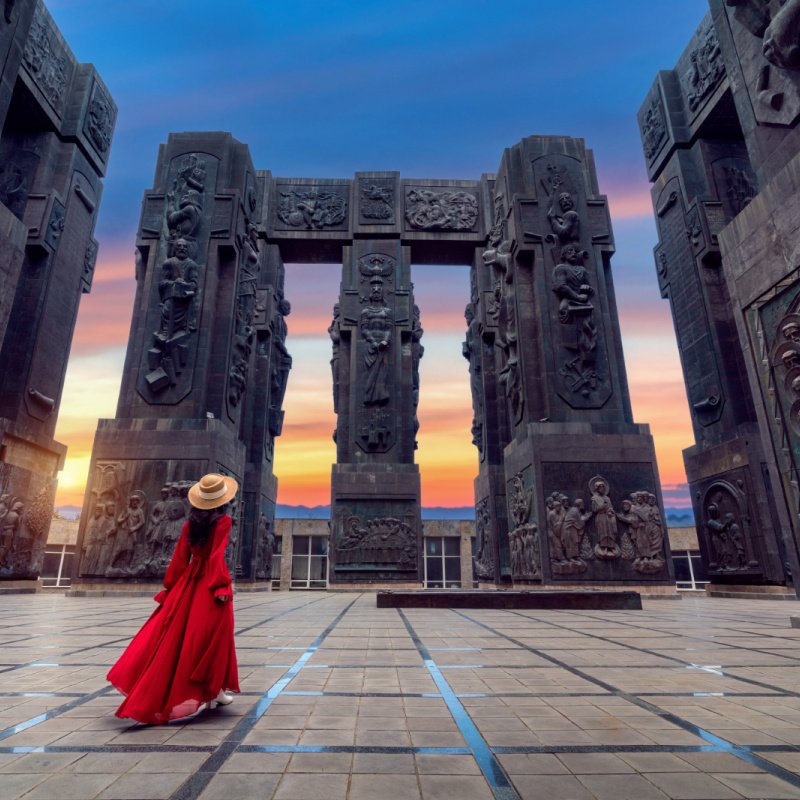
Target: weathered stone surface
<point>50,185</point>
<point>731,127</point>
<point>544,599</point>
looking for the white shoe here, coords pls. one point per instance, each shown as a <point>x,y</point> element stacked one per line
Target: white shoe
<point>224,699</point>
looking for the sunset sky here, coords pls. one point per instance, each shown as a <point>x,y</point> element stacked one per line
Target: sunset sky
<point>432,89</point>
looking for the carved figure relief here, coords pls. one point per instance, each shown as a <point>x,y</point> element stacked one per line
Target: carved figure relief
<point>265,547</point>
<point>18,162</point>
<point>55,225</point>
<point>311,208</point>
<point>785,361</point>
<point>376,327</point>
<point>571,283</point>
<point>24,526</point>
<point>242,345</point>
<point>280,366</point>
<point>767,38</point>
<point>99,120</point>
<point>523,540</point>
<point>497,231</point>
<point>706,71</point>
<point>89,261</point>
<point>654,129</point>
<point>417,351</point>
<point>470,349</point>
<point>740,189</point>
<point>510,375</point>
<point>46,60</point>
<point>484,560</point>
<point>577,536</point>
<point>446,210</point>
<point>335,334</point>
<point>386,542</point>
<point>727,528</point>
<point>377,202</point>
<point>179,278</point>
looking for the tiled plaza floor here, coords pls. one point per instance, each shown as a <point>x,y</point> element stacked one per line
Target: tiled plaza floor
<point>696,699</point>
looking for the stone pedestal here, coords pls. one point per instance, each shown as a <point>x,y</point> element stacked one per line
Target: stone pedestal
<point>57,120</point>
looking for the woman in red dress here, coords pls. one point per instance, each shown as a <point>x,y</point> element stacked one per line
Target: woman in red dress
<point>184,656</point>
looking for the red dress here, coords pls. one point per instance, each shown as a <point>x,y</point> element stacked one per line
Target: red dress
<point>184,654</point>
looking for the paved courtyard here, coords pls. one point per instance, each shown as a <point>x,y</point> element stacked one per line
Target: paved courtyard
<point>692,699</point>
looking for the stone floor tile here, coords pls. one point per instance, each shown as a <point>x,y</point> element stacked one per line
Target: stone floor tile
<point>719,762</point>
<point>594,763</point>
<point>320,762</point>
<point>759,785</point>
<point>72,786</point>
<point>448,787</point>
<point>429,764</point>
<point>41,762</point>
<point>658,762</point>
<point>105,762</point>
<point>256,762</point>
<point>143,786</point>
<point>381,787</point>
<point>691,786</point>
<point>240,786</point>
<point>309,787</point>
<point>14,785</point>
<point>532,764</point>
<point>621,787</point>
<point>388,763</point>
<point>550,787</point>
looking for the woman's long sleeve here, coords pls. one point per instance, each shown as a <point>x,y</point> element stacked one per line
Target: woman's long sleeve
<point>219,578</point>
<point>178,564</point>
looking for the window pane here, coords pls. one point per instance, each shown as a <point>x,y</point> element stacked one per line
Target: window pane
<point>452,569</point>
<point>299,568</point>
<point>435,585</point>
<point>433,546</point>
<point>278,544</point>
<point>452,546</point>
<point>681,562</point>
<point>319,545</point>
<point>319,566</point>
<point>300,545</point>
<point>50,565</point>
<point>434,569</point>
<point>700,573</point>
<point>276,568</point>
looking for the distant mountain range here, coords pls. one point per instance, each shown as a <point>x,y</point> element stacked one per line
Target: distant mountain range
<point>676,517</point>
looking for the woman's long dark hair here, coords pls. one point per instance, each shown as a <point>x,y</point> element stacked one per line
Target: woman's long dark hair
<point>201,523</point>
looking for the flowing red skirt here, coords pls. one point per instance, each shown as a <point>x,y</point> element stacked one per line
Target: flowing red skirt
<point>182,657</point>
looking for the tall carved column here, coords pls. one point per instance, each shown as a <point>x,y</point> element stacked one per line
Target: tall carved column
<point>582,490</point>
<point>703,179</point>
<point>376,530</point>
<point>205,370</point>
<point>57,122</point>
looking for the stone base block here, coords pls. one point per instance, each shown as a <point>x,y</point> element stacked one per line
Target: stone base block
<point>20,587</point>
<point>374,587</point>
<point>748,592</point>
<point>568,600</point>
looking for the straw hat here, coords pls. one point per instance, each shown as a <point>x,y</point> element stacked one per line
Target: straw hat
<point>212,491</point>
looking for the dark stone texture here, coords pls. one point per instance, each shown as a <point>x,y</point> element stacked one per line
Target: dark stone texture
<point>57,121</point>
<point>719,128</point>
<point>584,599</point>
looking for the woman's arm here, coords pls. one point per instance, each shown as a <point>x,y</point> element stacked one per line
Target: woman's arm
<point>219,580</point>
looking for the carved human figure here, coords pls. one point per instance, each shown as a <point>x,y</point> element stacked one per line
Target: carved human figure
<point>605,521</point>
<point>655,525</point>
<point>9,525</point>
<point>335,334</point>
<point>470,349</point>
<point>530,550</point>
<point>107,529</point>
<point>718,536</point>
<point>177,289</point>
<point>555,523</point>
<point>417,351</point>
<point>265,547</point>
<point>515,552</point>
<point>565,220</point>
<point>376,325</point>
<point>736,539</point>
<point>93,542</point>
<point>572,530</point>
<point>129,523</point>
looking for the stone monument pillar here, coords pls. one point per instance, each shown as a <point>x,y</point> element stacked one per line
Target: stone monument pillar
<point>582,492</point>
<point>205,371</point>
<point>57,121</point>
<point>703,178</point>
<point>376,529</point>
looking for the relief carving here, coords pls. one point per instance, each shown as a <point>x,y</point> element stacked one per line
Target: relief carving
<point>642,540</point>
<point>654,130</point>
<point>311,208</point>
<point>523,540</point>
<point>740,189</point>
<point>417,351</point>
<point>727,527</point>
<point>706,71</point>
<point>45,59</point>
<point>785,361</point>
<point>565,531</point>
<point>280,366</point>
<point>335,334</point>
<point>265,547</point>
<point>471,350</point>
<point>778,24</point>
<point>100,120</point>
<point>377,202</point>
<point>244,333</point>
<point>446,211</point>
<point>605,520</point>
<point>484,560</point>
<point>179,278</point>
<point>383,542</point>
<point>376,326</point>
<point>24,526</point>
